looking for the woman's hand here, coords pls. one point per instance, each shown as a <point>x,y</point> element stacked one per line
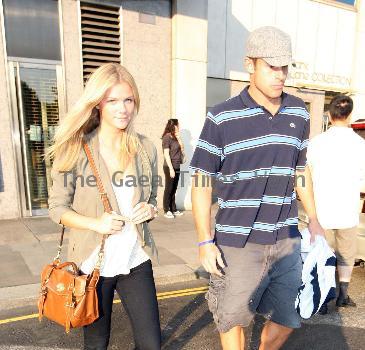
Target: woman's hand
<point>109,223</point>
<point>143,212</point>
<point>172,172</point>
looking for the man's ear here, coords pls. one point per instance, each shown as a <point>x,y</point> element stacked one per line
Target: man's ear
<point>249,65</point>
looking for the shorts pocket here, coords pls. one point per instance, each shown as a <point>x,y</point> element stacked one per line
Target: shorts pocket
<point>214,294</point>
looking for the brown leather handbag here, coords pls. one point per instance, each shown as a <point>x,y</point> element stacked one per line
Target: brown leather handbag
<point>66,297</point>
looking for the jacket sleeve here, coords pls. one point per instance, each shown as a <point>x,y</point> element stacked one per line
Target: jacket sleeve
<point>155,179</point>
<point>61,194</point>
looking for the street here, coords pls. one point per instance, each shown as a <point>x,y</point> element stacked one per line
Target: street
<point>187,324</point>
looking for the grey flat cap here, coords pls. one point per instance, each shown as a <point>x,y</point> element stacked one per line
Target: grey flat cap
<point>271,44</point>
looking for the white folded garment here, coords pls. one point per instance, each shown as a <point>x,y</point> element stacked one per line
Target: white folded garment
<point>318,275</point>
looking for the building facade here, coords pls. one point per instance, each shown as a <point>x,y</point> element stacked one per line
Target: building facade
<point>47,50</point>
<point>185,55</point>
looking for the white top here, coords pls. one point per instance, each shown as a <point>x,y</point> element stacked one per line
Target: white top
<point>337,162</point>
<point>122,250</point>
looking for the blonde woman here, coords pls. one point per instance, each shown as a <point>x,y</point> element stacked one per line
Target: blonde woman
<point>126,161</point>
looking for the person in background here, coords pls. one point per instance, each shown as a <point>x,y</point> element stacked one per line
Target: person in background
<point>174,156</point>
<point>337,162</point>
<point>103,118</point>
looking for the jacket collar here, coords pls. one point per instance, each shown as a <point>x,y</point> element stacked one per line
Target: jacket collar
<point>138,169</point>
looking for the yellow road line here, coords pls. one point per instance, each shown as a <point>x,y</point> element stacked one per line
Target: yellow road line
<point>201,289</point>
<point>181,294</point>
<point>160,296</point>
<point>20,318</point>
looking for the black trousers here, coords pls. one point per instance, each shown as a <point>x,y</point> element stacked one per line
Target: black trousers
<point>170,189</point>
<point>138,295</point>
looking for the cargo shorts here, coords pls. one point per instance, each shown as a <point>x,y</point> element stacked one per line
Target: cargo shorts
<point>260,279</point>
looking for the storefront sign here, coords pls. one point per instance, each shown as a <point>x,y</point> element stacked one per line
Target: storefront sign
<point>302,74</point>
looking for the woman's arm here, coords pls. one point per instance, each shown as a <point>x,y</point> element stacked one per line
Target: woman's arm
<point>166,144</point>
<point>61,193</point>
<point>144,211</point>
<point>166,154</point>
<point>106,224</point>
<point>154,180</point>
<point>60,207</point>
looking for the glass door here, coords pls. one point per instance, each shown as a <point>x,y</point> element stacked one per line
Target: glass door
<point>36,95</point>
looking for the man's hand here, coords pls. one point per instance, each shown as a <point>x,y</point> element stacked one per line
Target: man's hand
<point>315,228</point>
<point>209,256</point>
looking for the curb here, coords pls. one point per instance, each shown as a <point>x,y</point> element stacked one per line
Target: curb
<point>25,295</point>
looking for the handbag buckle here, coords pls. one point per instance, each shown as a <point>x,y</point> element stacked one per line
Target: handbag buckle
<point>100,259</point>
<point>56,259</point>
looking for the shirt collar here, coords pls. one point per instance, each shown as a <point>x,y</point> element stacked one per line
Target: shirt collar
<point>249,102</point>
<point>335,128</point>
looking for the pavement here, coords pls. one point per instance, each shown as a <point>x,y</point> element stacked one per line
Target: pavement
<point>27,244</point>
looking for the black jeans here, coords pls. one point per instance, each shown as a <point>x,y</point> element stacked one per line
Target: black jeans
<point>138,295</point>
<point>170,189</point>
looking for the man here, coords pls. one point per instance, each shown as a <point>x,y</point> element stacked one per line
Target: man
<point>337,163</point>
<point>254,144</point>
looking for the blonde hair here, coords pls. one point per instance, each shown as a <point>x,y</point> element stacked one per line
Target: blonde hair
<point>84,118</point>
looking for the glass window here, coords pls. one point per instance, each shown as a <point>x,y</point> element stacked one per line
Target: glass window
<point>348,2</point>
<point>32,29</point>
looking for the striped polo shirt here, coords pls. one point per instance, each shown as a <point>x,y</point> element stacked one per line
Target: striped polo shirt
<point>253,155</point>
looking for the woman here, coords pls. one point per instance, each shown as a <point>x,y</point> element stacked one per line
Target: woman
<point>173,151</point>
<point>103,118</point>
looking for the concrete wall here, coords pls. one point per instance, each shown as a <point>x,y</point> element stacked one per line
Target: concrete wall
<point>9,198</point>
<point>147,55</point>
<point>358,74</point>
<point>72,53</point>
<point>323,38</point>
<point>189,77</point>
<point>328,47</point>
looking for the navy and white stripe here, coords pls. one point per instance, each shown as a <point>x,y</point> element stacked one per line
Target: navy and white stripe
<point>267,140</point>
<point>235,114</point>
<point>212,149</point>
<point>257,202</point>
<point>253,156</point>
<point>318,277</point>
<point>255,173</point>
<point>297,111</point>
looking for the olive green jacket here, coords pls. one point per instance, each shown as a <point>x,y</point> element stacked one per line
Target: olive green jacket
<point>76,191</point>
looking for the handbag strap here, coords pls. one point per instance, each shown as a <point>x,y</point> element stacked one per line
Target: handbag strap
<point>102,193</point>
<point>103,196</point>
<point>106,205</point>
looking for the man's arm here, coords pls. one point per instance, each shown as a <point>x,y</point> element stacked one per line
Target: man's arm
<point>201,194</point>
<point>304,188</point>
